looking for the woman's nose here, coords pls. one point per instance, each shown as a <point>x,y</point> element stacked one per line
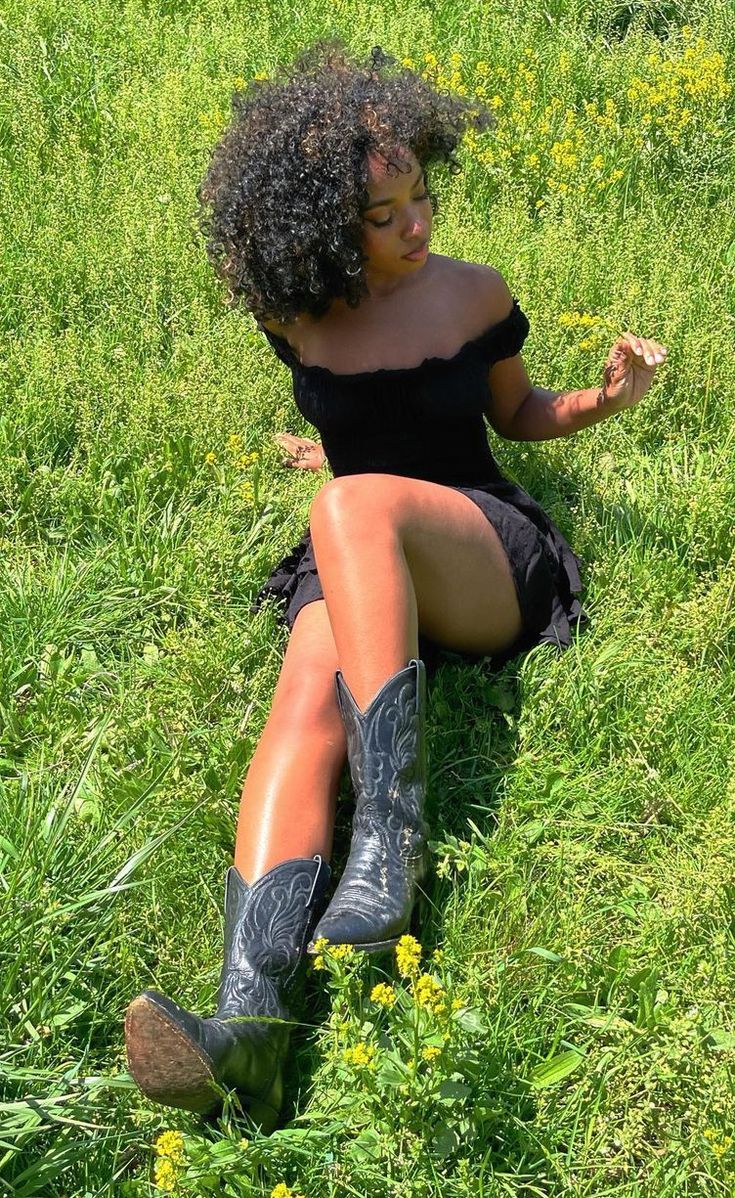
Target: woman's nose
<point>416,228</point>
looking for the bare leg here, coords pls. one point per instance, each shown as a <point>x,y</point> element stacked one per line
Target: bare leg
<point>289,795</point>
<point>394,553</point>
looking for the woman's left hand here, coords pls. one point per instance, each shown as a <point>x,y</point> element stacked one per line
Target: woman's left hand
<point>629,369</point>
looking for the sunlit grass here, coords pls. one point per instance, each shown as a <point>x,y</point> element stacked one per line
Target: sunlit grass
<point>581,805</point>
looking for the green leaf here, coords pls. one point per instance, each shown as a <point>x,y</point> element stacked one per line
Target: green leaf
<point>452,1090</point>
<point>546,953</point>
<point>470,1020</point>
<point>446,1141</point>
<point>720,1039</point>
<point>555,1070</point>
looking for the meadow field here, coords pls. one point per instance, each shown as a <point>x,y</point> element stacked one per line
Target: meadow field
<point>568,1029</point>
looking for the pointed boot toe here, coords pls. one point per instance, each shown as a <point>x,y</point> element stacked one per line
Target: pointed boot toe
<point>386,747</point>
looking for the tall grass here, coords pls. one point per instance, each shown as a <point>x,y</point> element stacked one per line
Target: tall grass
<point>581,805</point>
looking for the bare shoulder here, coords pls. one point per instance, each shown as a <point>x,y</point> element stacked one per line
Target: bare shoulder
<point>490,289</point>
<point>479,288</point>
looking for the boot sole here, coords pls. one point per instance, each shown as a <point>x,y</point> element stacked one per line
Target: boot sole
<point>171,1069</point>
<point>167,1066</point>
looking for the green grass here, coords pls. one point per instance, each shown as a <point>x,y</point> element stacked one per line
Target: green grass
<point>581,804</point>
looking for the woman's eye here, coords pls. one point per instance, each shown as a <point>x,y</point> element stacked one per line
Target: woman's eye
<point>380,224</point>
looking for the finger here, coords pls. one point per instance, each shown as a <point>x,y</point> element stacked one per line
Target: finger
<point>651,351</point>
<point>649,354</point>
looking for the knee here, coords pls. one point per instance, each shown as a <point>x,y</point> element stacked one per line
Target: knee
<point>305,704</point>
<point>352,502</point>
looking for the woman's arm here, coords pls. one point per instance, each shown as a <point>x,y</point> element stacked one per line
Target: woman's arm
<point>521,412</point>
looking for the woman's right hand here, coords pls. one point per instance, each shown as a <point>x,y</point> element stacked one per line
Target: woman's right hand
<point>303,453</point>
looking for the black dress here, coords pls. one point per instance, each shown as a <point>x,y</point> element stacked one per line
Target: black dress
<point>427,422</point>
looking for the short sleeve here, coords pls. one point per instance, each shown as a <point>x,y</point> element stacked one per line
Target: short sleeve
<point>506,338</point>
<point>279,345</point>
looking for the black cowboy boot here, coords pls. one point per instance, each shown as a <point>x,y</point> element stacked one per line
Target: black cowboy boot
<point>182,1060</point>
<point>386,750</point>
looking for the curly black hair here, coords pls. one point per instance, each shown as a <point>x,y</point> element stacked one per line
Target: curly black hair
<point>281,203</point>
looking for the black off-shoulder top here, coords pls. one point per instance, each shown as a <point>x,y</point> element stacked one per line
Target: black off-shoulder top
<point>423,421</point>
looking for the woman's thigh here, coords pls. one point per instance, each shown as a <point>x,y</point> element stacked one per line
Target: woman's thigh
<point>465,591</point>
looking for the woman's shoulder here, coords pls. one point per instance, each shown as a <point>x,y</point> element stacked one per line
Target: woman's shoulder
<point>486,284</point>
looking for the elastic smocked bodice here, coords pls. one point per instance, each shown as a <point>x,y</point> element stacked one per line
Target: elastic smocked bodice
<point>423,421</point>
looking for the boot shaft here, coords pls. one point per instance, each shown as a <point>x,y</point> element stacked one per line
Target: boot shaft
<point>386,746</point>
<point>267,927</point>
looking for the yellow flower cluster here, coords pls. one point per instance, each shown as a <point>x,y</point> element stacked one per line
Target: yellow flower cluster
<point>408,955</point>
<point>211,458</point>
<point>342,952</point>
<point>600,329</point>
<point>169,1150</point>
<point>319,947</point>
<point>581,320</point>
<point>430,1052</point>
<point>677,90</point>
<point>718,1146</point>
<point>165,1175</point>
<point>429,994</point>
<point>556,145</point>
<point>383,995</point>
<point>337,952</point>
<point>361,1056</point>
<point>284,1191</point>
<point>170,1144</point>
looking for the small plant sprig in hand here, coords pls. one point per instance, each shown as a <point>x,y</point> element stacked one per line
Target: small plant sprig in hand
<point>629,370</point>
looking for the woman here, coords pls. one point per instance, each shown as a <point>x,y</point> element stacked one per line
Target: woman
<point>319,221</point>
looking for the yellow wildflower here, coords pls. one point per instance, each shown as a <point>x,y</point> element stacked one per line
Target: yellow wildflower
<point>408,955</point>
<point>165,1174</point>
<point>361,1056</point>
<point>482,68</point>
<point>457,1004</point>
<point>383,995</point>
<point>437,955</point>
<point>284,1191</point>
<point>211,458</point>
<point>428,993</point>
<point>408,62</point>
<point>342,952</point>
<point>170,1144</point>
<point>430,1052</point>
<point>319,947</point>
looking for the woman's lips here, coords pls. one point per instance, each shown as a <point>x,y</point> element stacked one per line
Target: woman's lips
<point>417,253</point>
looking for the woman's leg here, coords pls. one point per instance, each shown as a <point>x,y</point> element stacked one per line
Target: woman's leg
<point>289,794</point>
<point>397,555</point>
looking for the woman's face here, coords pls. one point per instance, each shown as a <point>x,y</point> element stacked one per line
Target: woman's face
<point>397,218</point>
